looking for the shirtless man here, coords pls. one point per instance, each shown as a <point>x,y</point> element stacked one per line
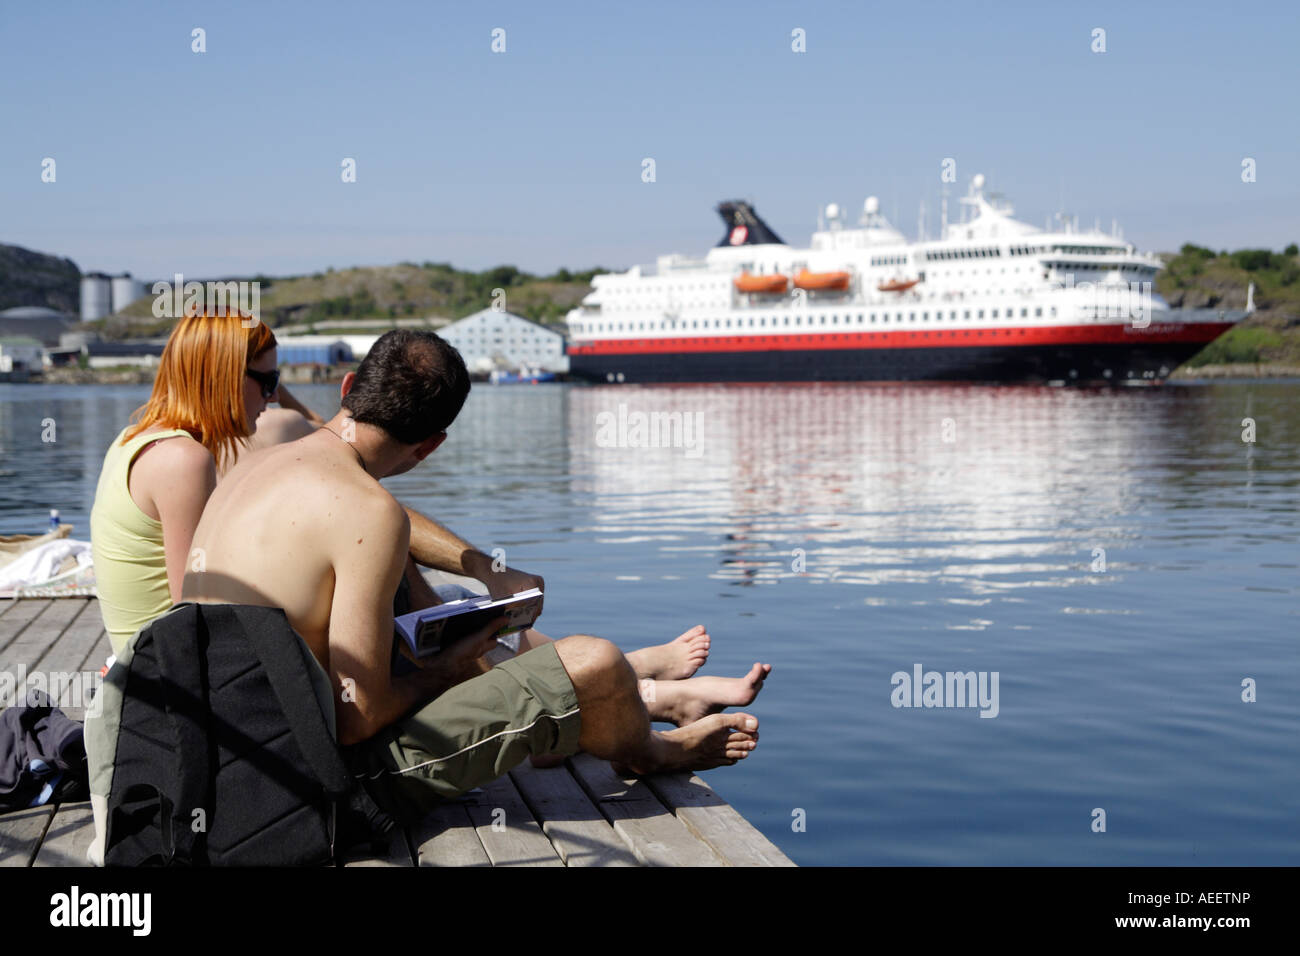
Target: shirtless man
<point>308,528</point>
<point>437,547</point>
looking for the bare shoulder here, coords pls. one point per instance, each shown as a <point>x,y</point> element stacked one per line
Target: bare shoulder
<point>365,531</point>
<point>177,458</point>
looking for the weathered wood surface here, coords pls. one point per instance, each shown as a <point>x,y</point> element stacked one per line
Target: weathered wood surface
<point>577,814</point>
<point>20,835</point>
<point>68,837</point>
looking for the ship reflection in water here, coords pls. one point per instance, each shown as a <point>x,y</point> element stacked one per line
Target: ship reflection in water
<point>985,489</point>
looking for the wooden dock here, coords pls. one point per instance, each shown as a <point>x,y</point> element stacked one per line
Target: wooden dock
<point>580,814</point>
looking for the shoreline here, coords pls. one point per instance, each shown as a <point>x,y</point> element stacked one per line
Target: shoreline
<point>332,375</point>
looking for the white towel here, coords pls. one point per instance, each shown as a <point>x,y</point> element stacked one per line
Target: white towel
<point>35,567</point>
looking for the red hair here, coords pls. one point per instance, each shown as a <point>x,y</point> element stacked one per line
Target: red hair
<point>200,381</point>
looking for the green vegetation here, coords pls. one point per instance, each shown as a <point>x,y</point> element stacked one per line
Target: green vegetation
<point>1198,277</point>
<point>407,290</point>
<point>1243,345</point>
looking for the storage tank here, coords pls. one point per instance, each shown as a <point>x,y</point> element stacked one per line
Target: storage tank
<point>96,296</point>
<point>125,291</point>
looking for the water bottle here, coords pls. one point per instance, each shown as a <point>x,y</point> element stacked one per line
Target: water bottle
<point>54,519</point>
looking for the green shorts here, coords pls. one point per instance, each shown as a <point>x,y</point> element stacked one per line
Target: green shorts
<point>470,735</point>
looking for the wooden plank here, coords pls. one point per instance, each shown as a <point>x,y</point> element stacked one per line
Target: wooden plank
<point>19,617</point>
<point>69,652</point>
<point>716,822</point>
<point>41,632</point>
<point>99,653</point>
<point>650,830</point>
<point>66,657</point>
<point>507,830</point>
<point>395,853</point>
<point>446,837</point>
<point>68,837</point>
<point>574,826</point>
<point>20,834</point>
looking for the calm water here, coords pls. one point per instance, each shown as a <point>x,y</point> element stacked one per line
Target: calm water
<point>845,533</point>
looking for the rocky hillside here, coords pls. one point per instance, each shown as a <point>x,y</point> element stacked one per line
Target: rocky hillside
<point>1198,278</point>
<point>34,278</point>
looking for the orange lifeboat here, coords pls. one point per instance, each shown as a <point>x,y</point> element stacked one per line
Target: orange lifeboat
<point>762,285</point>
<point>897,285</point>
<point>822,281</point>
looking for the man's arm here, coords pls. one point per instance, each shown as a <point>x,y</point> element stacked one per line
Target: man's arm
<point>436,547</point>
<point>367,568</point>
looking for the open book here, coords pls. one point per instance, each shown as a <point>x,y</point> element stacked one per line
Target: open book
<point>434,628</point>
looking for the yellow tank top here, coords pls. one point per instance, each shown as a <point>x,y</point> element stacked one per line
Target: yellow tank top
<point>130,564</point>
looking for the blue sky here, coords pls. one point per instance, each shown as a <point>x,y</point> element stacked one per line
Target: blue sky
<point>228,162</point>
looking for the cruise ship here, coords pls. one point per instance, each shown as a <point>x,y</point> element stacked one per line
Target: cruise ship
<point>994,299</point>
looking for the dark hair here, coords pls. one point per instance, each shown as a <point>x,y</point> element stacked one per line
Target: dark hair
<point>411,384</point>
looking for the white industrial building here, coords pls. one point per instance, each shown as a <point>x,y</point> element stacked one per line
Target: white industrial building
<point>21,354</point>
<point>490,340</point>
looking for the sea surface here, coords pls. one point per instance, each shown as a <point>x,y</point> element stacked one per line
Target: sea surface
<point>1125,561</point>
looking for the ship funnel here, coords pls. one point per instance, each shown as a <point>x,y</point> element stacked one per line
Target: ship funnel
<point>744,228</point>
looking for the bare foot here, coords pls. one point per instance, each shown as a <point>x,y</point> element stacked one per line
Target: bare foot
<point>684,702</point>
<point>716,741</point>
<point>676,660</point>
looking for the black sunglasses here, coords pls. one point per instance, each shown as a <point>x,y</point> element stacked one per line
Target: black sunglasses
<point>270,381</point>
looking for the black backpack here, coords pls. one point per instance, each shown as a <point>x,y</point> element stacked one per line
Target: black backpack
<point>213,745</point>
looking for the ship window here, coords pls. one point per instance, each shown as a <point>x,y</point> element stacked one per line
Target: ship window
<point>995,313</point>
<point>1038,312</point>
<point>898,317</point>
<point>953,315</point>
<point>911,316</point>
<point>859,317</point>
<point>981,313</point>
<point>1053,310</point>
<point>787,320</point>
<point>1024,313</point>
<point>925,316</point>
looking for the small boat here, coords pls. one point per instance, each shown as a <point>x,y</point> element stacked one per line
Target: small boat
<point>822,281</point>
<point>897,285</point>
<point>762,285</point>
<point>522,377</point>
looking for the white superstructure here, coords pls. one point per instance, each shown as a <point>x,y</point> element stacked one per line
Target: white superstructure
<point>987,270</point>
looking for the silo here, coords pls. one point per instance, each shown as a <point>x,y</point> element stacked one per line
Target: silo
<point>96,296</point>
<point>125,291</point>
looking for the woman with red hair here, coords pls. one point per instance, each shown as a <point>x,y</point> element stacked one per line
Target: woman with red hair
<point>216,375</point>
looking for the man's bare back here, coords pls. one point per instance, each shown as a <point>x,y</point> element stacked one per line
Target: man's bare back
<point>272,530</point>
